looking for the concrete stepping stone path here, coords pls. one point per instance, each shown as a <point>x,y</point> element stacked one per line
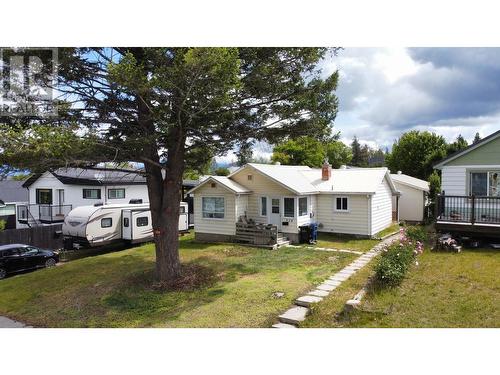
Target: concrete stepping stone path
<point>299,311</point>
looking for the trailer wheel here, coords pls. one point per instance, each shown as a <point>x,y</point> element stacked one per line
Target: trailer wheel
<point>3,273</point>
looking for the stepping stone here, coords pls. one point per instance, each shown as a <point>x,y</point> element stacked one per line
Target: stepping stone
<point>283,325</point>
<point>346,272</point>
<point>326,287</point>
<point>294,316</point>
<point>332,282</point>
<point>307,301</point>
<point>351,304</point>
<point>339,277</point>
<point>318,293</point>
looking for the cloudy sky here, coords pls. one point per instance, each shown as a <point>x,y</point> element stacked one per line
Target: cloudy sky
<point>384,92</point>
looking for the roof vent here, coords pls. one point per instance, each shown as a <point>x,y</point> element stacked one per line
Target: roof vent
<point>399,172</point>
<point>135,201</point>
<point>98,204</point>
<point>343,166</point>
<point>277,163</point>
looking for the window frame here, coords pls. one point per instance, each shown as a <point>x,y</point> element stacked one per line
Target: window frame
<point>214,212</point>
<point>307,206</point>
<point>342,197</point>
<point>262,206</point>
<point>110,222</point>
<point>39,190</point>
<point>91,189</point>
<point>141,225</point>
<point>489,173</point>
<point>293,199</point>
<point>114,190</point>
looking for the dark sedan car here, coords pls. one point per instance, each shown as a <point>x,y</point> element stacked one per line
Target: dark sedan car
<point>17,257</point>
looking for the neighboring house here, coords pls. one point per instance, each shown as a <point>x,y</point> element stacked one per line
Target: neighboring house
<point>470,184</point>
<point>12,194</point>
<point>349,201</point>
<point>413,200</point>
<point>53,194</point>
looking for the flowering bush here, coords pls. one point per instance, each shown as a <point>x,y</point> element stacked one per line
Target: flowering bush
<point>415,233</point>
<point>397,258</point>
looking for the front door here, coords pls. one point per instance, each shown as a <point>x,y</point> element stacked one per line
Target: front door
<point>275,212</point>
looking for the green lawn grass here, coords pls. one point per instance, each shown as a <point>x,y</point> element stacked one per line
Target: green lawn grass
<point>389,230</point>
<point>115,289</point>
<point>444,290</point>
<point>347,242</point>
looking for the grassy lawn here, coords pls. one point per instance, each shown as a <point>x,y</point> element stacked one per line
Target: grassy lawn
<point>389,230</point>
<point>444,290</point>
<point>344,242</point>
<point>116,289</point>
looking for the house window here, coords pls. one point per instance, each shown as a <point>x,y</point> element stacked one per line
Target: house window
<point>303,206</point>
<point>275,205</point>
<point>289,206</point>
<point>263,206</point>
<point>485,183</point>
<point>342,204</point>
<point>106,222</point>
<point>116,193</point>
<point>43,196</point>
<point>142,221</point>
<point>213,207</point>
<point>91,193</point>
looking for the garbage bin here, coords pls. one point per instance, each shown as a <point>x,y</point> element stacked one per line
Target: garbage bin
<point>313,237</point>
<point>304,233</point>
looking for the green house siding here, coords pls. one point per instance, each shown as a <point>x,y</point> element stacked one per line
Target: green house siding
<point>488,154</point>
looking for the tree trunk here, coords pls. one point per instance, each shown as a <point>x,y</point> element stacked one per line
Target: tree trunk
<point>164,190</point>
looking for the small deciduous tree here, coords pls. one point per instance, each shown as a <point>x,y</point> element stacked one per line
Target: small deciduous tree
<point>415,152</point>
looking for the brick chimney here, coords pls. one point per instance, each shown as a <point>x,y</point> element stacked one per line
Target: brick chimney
<point>326,171</point>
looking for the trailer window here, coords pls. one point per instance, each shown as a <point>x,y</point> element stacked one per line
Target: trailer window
<point>106,222</point>
<point>142,221</point>
<point>126,222</point>
<point>182,210</point>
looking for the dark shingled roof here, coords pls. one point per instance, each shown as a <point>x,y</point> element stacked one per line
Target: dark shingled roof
<point>13,191</point>
<point>99,177</point>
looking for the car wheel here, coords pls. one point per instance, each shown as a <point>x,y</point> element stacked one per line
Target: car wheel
<point>51,262</point>
<point>3,273</point>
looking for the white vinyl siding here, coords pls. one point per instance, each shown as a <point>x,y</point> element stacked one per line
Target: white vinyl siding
<point>381,208</point>
<point>454,180</point>
<point>227,225</point>
<point>262,186</point>
<point>411,203</point>
<point>353,222</point>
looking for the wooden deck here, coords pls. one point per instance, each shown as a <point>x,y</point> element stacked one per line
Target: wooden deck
<point>261,235</point>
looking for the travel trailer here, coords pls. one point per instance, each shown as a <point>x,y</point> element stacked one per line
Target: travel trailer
<point>99,225</point>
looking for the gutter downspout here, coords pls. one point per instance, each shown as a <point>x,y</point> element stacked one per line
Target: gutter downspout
<point>369,216</point>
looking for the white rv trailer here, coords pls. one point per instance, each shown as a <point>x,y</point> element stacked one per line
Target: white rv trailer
<point>99,225</point>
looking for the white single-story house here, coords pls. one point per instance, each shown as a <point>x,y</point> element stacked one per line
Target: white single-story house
<point>354,201</point>
<point>470,189</point>
<point>413,200</point>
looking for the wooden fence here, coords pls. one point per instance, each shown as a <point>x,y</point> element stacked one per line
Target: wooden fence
<point>46,236</point>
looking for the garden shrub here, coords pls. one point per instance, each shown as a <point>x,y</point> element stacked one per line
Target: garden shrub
<point>2,225</point>
<point>393,264</point>
<point>397,257</point>
<point>416,233</point>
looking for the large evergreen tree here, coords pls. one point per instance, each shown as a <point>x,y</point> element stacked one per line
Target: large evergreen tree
<point>173,109</point>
